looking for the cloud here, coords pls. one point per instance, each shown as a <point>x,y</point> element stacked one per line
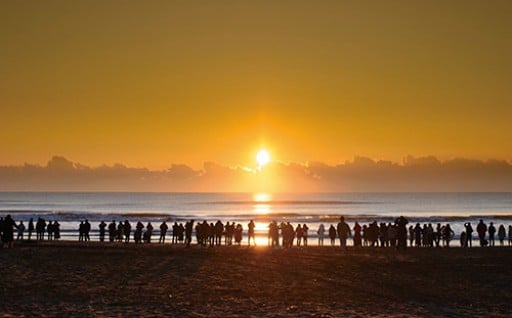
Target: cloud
<point>413,174</point>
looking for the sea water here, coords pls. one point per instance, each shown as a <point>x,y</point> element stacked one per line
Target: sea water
<point>312,209</point>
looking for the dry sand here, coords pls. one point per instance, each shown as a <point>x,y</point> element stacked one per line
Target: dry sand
<point>103,280</point>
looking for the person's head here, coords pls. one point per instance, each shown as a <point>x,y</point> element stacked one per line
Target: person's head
<point>342,219</point>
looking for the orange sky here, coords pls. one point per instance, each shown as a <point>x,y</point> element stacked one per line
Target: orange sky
<point>151,83</point>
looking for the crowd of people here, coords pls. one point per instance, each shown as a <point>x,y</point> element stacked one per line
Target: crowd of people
<point>284,234</point>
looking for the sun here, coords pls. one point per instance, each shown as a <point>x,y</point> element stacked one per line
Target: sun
<point>262,157</point>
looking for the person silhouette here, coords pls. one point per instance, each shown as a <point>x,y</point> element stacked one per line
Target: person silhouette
<point>492,231</point>
<point>163,232</point>
<point>501,234</point>
<point>7,230</point>
<point>102,227</point>
<point>56,230</point>
<point>332,234</point>
<point>401,233</point>
<point>357,235</point>
<point>188,232</point>
<point>21,230</point>
<point>87,230</point>
<point>469,234</point>
<point>321,233</point>
<point>343,233</point>
<point>481,229</point>
<point>30,228</point>
<point>250,232</point>
<point>112,229</point>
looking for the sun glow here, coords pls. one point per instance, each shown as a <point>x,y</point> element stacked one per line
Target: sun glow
<point>262,157</point>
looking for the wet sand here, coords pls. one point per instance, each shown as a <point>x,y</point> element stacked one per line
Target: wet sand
<point>69,279</point>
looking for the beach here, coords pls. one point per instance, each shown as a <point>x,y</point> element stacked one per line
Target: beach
<point>51,279</point>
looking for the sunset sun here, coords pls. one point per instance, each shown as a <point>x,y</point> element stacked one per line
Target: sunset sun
<point>262,157</point>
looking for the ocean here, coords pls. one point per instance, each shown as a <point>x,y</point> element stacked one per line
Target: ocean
<point>310,208</point>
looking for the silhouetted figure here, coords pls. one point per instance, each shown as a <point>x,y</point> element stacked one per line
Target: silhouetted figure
<point>392,234</point>
<point>120,232</point>
<point>417,235</point>
<point>175,229</point>
<point>343,232</point>
<point>492,232</point>
<point>447,235</point>
<point>383,235</point>
<point>230,231</point>
<point>56,230</point>
<point>102,227</point>
<point>332,234</point>
<point>438,234</point>
<point>321,234</point>
<point>250,232</point>
<point>411,236</point>
<point>112,231</point>
<point>305,234</point>
<point>31,228</point>
<point>401,224</point>
<point>273,234</point>
<point>298,234</point>
<point>219,229</point>
<point>357,235</point>
<point>137,235</point>
<point>469,234</point>
<point>238,234</point>
<point>481,229</point>
<point>163,232</point>
<point>7,228</point>
<point>21,230</point>
<point>148,233</point>
<point>127,228</point>
<point>509,235</point>
<point>181,233</point>
<point>211,234</point>
<point>87,230</point>
<point>188,232</point>
<point>50,231</point>
<point>501,234</point>
<point>40,228</point>
<point>81,232</point>
<point>463,240</point>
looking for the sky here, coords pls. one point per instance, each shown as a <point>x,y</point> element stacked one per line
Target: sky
<point>152,84</point>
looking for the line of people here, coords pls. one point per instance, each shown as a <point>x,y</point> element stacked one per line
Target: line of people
<point>283,234</point>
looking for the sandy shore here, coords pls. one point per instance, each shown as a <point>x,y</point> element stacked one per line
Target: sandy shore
<point>69,279</point>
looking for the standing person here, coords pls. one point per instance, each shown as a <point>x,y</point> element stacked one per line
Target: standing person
<point>56,230</point>
<point>148,233</point>
<point>7,230</point>
<point>305,234</point>
<point>492,231</point>
<point>469,234</point>
<point>501,234</point>
<point>127,228</point>
<point>30,228</point>
<point>188,232</point>
<point>401,232</point>
<point>251,227</point>
<point>481,229</point>
<point>112,229</point>
<point>321,234</point>
<point>21,229</point>
<point>87,230</point>
<point>332,234</point>
<point>50,230</point>
<point>343,232</point>
<point>357,235</point>
<point>163,232</point>
<point>509,235</point>
<point>81,231</point>
<point>102,227</point>
<point>298,234</point>
<point>447,235</point>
